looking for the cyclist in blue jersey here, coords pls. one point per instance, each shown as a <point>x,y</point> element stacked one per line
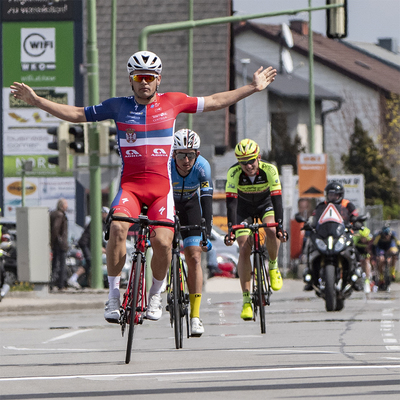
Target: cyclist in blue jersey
<point>193,190</point>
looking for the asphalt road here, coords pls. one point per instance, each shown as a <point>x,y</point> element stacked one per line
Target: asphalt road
<point>61,352</point>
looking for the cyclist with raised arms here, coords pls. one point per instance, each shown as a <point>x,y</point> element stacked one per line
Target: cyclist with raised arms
<point>145,130</point>
<point>253,190</point>
<point>193,190</point>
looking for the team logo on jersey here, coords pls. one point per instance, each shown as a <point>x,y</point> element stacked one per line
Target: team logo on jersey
<point>159,153</point>
<point>130,135</point>
<point>161,210</point>
<point>205,184</point>
<point>124,200</point>
<point>132,153</point>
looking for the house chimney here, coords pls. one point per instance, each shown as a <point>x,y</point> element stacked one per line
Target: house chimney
<point>299,26</point>
<point>388,44</point>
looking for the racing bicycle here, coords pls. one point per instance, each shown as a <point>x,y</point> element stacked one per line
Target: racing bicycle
<point>134,303</point>
<point>177,294</point>
<point>260,282</point>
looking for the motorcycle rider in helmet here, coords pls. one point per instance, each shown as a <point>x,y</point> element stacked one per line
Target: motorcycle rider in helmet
<point>334,193</point>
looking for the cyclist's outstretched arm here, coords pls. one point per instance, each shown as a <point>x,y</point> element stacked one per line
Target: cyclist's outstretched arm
<point>21,91</point>
<point>261,79</point>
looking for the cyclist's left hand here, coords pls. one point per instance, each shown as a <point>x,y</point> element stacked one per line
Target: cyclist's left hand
<point>208,247</point>
<point>280,233</point>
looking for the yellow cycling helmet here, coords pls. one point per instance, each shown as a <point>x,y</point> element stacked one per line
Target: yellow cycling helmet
<point>246,149</point>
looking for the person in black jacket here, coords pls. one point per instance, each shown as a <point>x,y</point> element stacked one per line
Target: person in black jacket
<point>59,244</point>
<point>84,244</point>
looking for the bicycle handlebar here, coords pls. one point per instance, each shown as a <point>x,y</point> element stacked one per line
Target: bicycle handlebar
<point>252,227</point>
<point>144,220</point>
<point>201,227</point>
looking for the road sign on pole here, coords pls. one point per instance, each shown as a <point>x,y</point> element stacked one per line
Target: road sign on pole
<point>312,174</point>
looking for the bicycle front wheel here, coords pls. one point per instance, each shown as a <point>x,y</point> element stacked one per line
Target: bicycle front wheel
<point>133,303</point>
<point>259,268</point>
<point>176,295</point>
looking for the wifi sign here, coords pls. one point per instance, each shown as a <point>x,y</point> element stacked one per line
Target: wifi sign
<point>38,45</point>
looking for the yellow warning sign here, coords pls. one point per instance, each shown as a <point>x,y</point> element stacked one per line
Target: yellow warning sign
<point>312,170</point>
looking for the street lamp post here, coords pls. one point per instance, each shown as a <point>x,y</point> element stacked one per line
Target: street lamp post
<point>244,62</point>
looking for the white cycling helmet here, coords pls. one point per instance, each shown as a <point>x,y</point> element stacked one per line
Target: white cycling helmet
<point>144,60</point>
<point>186,139</point>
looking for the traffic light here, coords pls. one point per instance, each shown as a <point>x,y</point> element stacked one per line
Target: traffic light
<point>60,142</point>
<point>107,141</point>
<point>336,20</point>
<point>79,141</point>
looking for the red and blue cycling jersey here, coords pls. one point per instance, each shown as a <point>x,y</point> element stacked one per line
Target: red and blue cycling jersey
<point>145,135</point>
<point>145,132</point>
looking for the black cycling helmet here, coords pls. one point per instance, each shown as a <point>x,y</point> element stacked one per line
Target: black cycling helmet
<point>386,230</point>
<point>334,193</point>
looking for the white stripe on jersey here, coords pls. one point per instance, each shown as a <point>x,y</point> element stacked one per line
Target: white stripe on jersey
<point>200,104</point>
<point>155,141</point>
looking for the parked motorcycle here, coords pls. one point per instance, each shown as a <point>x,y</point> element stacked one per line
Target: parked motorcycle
<point>332,266</point>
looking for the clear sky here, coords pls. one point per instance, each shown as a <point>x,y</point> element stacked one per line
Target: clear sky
<point>368,20</point>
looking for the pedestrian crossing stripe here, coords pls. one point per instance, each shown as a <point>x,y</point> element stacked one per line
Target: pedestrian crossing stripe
<point>330,214</point>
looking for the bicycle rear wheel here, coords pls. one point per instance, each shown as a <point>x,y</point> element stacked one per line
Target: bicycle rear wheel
<point>177,302</point>
<point>133,304</point>
<point>259,268</point>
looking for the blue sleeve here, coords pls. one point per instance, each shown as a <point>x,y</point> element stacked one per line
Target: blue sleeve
<point>108,109</point>
<point>204,171</point>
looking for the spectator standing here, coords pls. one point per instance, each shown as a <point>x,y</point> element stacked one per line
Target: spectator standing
<point>84,244</point>
<point>59,244</point>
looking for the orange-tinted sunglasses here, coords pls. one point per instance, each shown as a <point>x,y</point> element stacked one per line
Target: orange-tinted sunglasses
<point>147,78</point>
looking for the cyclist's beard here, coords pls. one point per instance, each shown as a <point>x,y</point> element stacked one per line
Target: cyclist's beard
<point>147,98</point>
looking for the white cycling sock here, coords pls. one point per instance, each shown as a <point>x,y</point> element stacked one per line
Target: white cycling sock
<point>113,284</point>
<point>156,287</point>
<point>74,277</point>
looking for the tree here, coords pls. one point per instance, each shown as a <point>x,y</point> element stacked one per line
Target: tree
<point>390,137</point>
<point>365,158</point>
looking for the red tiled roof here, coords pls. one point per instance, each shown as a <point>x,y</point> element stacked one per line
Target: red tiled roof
<point>336,55</point>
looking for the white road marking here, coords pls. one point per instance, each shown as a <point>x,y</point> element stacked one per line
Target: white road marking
<point>47,349</point>
<point>387,325</point>
<point>67,335</point>
<point>202,372</point>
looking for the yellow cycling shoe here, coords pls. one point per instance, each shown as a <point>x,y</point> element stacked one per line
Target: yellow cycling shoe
<point>247,312</point>
<point>276,279</point>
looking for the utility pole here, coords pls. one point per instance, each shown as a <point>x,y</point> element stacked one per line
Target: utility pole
<point>94,160</point>
<point>311,82</point>
<point>245,62</point>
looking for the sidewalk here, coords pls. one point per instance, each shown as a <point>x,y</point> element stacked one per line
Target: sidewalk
<point>71,299</point>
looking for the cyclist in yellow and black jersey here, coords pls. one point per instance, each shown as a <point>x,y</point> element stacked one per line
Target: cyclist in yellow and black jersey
<point>253,190</point>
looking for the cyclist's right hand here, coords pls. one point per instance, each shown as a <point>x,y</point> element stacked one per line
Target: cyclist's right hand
<point>229,239</point>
